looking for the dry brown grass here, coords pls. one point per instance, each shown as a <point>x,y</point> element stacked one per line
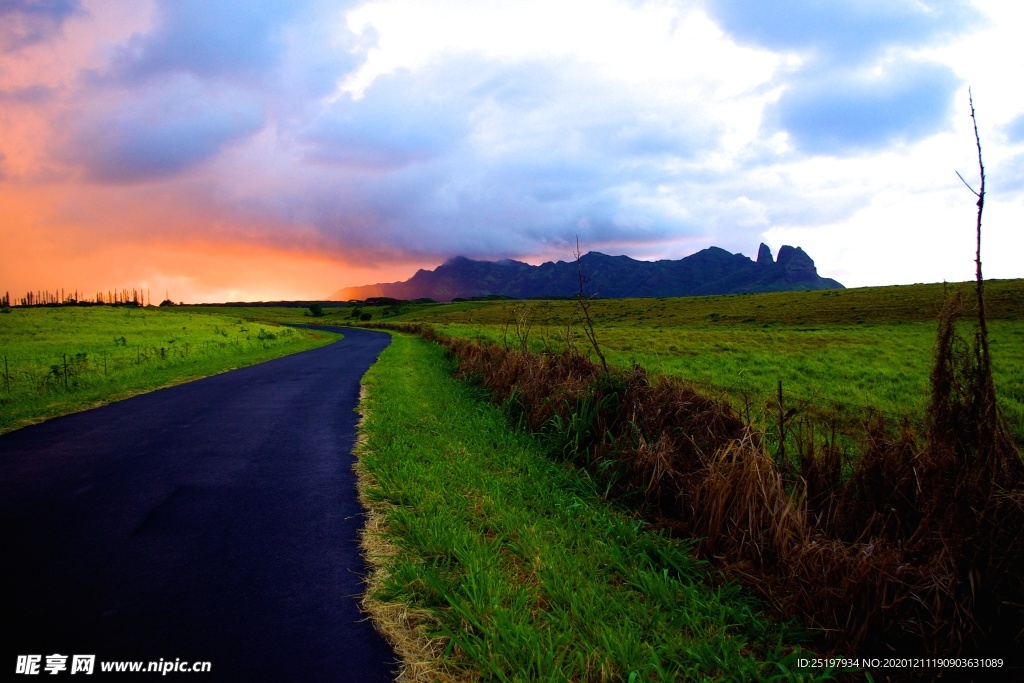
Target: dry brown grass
<point>407,630</point>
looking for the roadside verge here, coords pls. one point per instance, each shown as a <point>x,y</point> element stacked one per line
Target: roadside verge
<point>493,561</point>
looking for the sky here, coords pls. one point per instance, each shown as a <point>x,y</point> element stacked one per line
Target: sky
<point>257,150</point>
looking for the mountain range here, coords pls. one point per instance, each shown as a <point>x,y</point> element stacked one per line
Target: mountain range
<point>709,271</point>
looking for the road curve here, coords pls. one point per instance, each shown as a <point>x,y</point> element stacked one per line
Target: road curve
<point>212,521</point>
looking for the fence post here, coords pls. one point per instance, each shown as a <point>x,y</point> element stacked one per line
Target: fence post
<point>7,375</point>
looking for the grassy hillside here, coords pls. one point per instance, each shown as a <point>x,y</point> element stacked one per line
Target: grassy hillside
<point>61,360</point>
<point>865,305</point>
<point>839,350</point>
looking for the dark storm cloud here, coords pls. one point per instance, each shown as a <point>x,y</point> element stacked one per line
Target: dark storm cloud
<point>858,112</point>
<point>26,22</point>
<point>458,203</point>
<point>156,132</point>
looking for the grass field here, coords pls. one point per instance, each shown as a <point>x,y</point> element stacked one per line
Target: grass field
<point>495,563</point>
<point>854,528</point>
<point>59,360</point>
<point>839,350</point>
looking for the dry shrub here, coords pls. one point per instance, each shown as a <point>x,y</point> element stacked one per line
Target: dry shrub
<point>880,500</point>
<point>972,488</point>
<point>761,533</point>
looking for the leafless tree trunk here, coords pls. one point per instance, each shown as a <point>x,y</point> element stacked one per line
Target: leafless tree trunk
<point>980,286</point>
<point>584,303</point>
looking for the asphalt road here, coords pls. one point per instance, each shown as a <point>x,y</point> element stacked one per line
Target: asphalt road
<point>213,521</point>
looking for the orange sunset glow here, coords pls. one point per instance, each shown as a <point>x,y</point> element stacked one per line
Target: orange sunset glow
<point>241,151</point>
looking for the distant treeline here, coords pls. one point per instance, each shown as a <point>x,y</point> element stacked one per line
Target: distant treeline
<point>137,297</point>
<point>119,297</point>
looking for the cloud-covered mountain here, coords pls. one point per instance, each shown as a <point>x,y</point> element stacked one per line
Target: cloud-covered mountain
<point>710,271</point>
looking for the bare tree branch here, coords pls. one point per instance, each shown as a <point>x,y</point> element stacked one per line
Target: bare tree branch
<point>983,327</point>
<point>584,305</point>
<point>966,183</point>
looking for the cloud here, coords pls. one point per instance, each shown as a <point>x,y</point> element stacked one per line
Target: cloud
<point>1014,130</point>
<point>27,22</point>
<point>448,207</point>
<point>206,39</point>
<point>32,95</point>
<point>399,120</point>
<point>155,132</point>
<point>463,153</point>
<point>482,157</point>
<point>1005,178</point>
<point>202,77</point>
<point>848,31</point>
<point>855,112</point>
<point>857,85</point>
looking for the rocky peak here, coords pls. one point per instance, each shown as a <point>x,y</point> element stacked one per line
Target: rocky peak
<point>764,255</point>
<point>796,264</point>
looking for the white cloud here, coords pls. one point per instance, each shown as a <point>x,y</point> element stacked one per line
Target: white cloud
<point>674,51</point>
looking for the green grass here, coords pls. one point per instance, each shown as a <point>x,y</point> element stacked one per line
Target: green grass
<point>864,305</point>
<point>840,350</point>
<point>517,563</point>
<point>341,315</point>
<point>59,360</point>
